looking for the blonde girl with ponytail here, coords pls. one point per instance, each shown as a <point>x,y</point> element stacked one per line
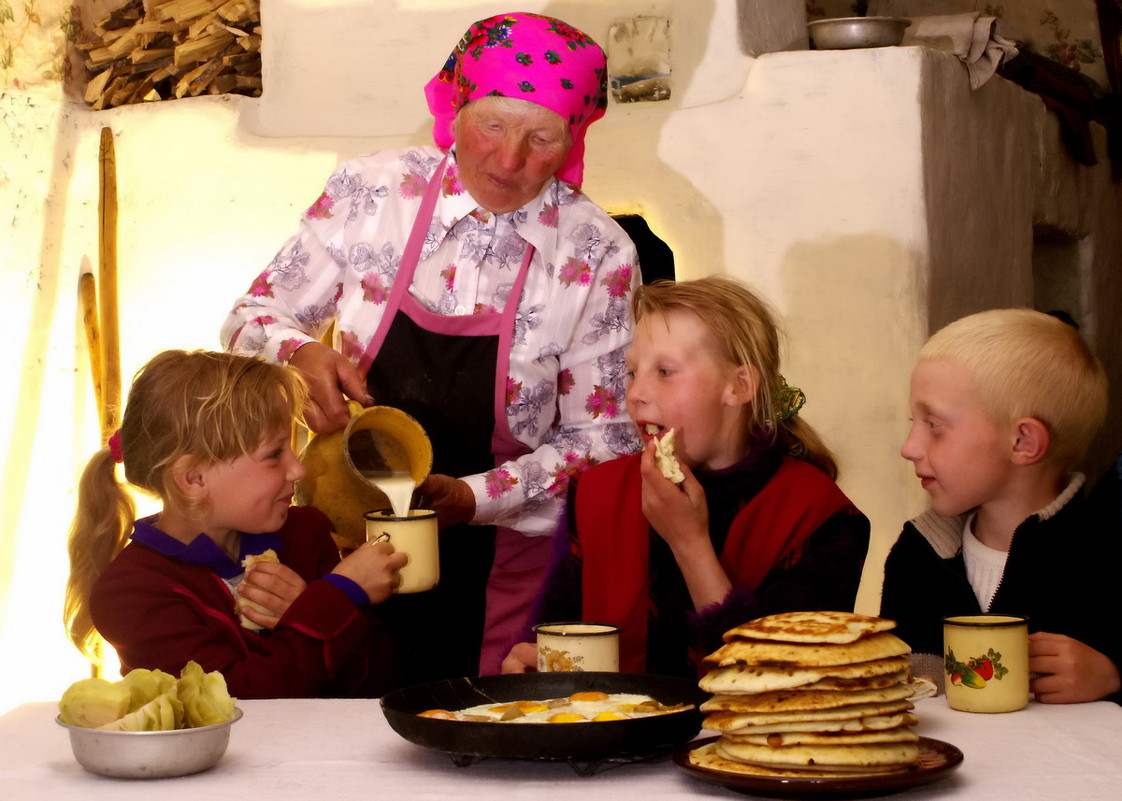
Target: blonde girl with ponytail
<point>209,435</point>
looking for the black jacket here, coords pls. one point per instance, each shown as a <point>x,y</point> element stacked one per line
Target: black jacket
<point>1063,571</point>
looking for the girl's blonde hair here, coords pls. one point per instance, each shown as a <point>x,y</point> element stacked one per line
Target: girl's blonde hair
<point>1026,363</point>
<point>213,407</point>
<point>744,331</point>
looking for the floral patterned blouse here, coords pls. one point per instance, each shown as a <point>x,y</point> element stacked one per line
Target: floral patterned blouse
<point>565,390</point>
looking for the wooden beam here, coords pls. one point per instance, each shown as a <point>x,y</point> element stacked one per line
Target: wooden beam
<point>107,282</point>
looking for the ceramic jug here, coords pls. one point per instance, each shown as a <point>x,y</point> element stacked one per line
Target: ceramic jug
<point>378,439</point>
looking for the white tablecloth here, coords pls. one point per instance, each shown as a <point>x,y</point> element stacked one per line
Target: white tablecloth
<point>333,750</point>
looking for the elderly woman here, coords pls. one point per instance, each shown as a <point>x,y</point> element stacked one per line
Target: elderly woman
<point>475,287</point>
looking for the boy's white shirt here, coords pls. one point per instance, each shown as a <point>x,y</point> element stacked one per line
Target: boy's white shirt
<point>984,565</point>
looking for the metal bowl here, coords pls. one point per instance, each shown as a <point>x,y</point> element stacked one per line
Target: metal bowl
<point>150,754</point>
<point>845,33</point>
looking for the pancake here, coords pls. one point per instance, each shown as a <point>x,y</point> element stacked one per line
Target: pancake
<point>860,755</point>
<point>740,678</point>
<point>729,721</point>
<point>707,757</point>
<point>791,700</point>
<point>811,627</point>
<point>869,723</point>
<point>900,734</point>
<point>870,683</point>
<point>772,653</point>
<point>811,693</point>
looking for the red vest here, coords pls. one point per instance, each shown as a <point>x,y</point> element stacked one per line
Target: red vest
<point>614,540</point>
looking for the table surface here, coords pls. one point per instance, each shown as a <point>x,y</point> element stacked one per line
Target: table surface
<point>344,749</point>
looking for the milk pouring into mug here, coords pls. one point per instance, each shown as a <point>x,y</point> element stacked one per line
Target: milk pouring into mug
<point>377,461</point>
<point>397,487</point>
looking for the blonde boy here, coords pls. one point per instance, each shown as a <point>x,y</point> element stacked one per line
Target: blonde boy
<point>1004,405</point>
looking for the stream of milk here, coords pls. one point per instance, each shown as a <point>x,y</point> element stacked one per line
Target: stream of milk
<point>398,488</point>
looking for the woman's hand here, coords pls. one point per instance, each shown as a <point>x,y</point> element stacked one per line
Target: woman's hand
<point>523,658</point>
<point>329,376</point>
<point>373,566</point>
<point>451,498</point>
<point>680,515</point>
<point>1074,672</point>
<point>272,585</point>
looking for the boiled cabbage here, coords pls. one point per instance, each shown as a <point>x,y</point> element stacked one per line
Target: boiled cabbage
<point>146,684</point>
<point>161,713</point>
<point>93,702</point>
<point>205,698</point>
<point>149,700</point>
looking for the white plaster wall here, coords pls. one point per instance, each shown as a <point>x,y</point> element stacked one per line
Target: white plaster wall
<point>866,193</point>
<point>353,68</point>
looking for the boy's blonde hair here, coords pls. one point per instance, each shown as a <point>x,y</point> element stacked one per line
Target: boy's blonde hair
<point>1027,363</point>
<point>744,331</point>
<point>213,407</point>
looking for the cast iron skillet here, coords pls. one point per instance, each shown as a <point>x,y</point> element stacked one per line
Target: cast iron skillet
<point>552,741</point>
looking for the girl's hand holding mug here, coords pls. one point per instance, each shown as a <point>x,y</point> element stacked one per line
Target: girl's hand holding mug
<point>373,566</point>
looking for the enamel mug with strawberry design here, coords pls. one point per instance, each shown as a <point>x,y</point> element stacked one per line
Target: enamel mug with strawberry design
<point>985,662</point>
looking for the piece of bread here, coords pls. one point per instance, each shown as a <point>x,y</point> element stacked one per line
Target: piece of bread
<point>247,563</point>
<point>666,460</point>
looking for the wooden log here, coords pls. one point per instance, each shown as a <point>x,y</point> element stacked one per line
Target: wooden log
<point>115,85</point>
<point>96,87</point>
<point>238,10</point>
<point>195,50</point>
<point>180,10</point>
<point>249,83</point>
<point>99,57</point>
<point>152,58</point>
<point>243,63</point>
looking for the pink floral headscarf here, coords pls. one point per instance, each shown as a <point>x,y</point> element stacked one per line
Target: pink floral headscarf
<point>530,57</point>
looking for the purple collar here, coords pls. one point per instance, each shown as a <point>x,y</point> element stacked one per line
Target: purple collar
<point>202,550</point>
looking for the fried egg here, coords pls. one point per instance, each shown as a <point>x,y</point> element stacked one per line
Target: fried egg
<point>580,707</point>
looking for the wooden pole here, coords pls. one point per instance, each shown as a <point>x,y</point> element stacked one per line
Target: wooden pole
<point>87,298</point>
<point>110,410</point>
<point>103,335</point>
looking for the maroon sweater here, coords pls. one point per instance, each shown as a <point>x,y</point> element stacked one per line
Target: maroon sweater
<point>160,612</point>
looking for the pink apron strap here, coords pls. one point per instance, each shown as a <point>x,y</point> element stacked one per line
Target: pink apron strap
<point>406,268</point>
<point>503,443</point>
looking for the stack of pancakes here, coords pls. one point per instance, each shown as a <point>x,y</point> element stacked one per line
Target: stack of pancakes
<point>810,694</point>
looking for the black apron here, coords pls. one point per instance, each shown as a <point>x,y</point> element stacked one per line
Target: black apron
<point>449,372</point>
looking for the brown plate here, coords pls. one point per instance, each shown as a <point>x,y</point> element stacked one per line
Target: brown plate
<point>936,760</point>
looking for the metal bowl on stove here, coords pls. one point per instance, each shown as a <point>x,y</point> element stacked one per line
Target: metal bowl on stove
<point>846,33</point>
<point>591,741</point>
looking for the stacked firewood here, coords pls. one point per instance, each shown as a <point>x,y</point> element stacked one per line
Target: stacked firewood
<point>168,49</point>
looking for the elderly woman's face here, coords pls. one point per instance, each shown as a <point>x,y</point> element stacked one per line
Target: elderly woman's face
<point>506,149</point>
